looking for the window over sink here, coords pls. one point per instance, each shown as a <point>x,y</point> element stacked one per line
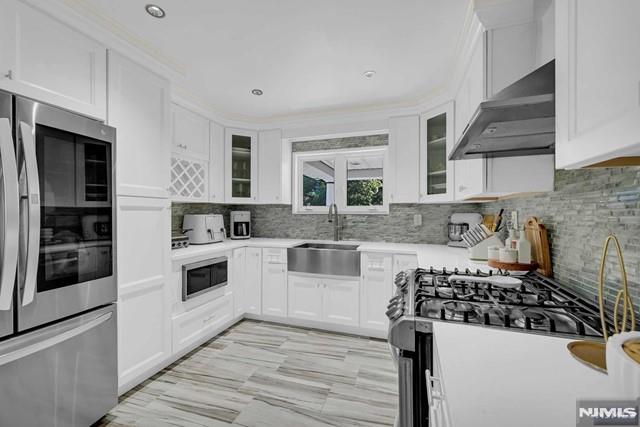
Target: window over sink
<point>353,179</point>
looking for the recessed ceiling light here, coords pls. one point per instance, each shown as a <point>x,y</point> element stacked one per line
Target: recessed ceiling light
<point>369,73</point>
<point>257,92</point>
<point>155,11</point>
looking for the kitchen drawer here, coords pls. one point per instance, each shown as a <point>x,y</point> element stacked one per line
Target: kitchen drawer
<point>376,262</point>
<point>274,256</point>
<point>202,321</point>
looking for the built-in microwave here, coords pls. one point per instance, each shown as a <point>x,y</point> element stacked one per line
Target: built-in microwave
<point>204,276</point>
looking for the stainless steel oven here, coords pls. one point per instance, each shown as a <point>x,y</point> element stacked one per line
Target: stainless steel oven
<point>204,276</point>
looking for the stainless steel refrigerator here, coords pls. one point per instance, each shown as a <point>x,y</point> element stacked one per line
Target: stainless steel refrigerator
<point>58,343</point>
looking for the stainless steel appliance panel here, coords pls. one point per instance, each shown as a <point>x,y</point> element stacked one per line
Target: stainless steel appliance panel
<point>8,209</point>
<point>61,375</point>
<point>67,244</point>
<point>204,276</point>
<point>338,260</point>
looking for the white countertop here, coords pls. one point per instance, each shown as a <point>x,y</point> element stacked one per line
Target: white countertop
<point>437,256</point>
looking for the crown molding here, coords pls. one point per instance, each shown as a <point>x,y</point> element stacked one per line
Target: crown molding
<point>89,20</point>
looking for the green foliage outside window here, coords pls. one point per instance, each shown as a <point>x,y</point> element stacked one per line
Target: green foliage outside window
<point>314,191</point>
<point>364,192</point>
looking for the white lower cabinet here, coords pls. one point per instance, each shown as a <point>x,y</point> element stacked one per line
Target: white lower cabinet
<point>200,322</point>
<point>305,297</point>
<point>326,299</point>
<point>253,281</point>
<point>238,281</point>
<point>377,285</point>
<point>341,301</point>
<point>274,282</point>
<point>403,263</point>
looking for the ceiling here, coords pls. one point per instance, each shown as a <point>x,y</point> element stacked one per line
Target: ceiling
<point>308,56</point>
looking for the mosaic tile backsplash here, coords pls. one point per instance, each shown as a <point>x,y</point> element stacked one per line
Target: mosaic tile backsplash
<point>586,206</point>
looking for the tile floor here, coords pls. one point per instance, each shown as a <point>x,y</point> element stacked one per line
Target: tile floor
<point>262,375</point>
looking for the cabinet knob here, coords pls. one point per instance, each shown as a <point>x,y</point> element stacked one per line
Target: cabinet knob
<point>461,188</point>
<point>9,74</point>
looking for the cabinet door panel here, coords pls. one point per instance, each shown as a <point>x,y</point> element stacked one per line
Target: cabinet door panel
<point>51,62</point>
<point>470,175</point>
<point>305,298</point>
<point>274,289</point>
<point>273,168</point>
<point>404,145</point>
<point>238,278</point>
<point>597,80</point>
<point>190,133</point>
<point>144,312</point>
<point>253,281</point>
<point>377,285</point>
<point>139,109</point>
<point>216,164</point>
<point>341,301</point>
<point>241,166</point>
<point>436,142</point>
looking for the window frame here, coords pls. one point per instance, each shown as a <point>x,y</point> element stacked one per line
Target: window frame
<point>340,158</point>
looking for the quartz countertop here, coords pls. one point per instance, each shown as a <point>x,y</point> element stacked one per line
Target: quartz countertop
<point>437,256</point>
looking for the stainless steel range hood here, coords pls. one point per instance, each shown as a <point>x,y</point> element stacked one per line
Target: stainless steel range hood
<point>518,121</point>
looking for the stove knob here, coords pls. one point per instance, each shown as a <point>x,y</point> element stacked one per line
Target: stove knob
<point>400,281</point>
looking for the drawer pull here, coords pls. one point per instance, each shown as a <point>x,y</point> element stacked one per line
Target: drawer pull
<point>208,318</point>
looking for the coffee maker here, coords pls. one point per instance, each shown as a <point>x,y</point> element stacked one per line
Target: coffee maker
<point>460,223</point>
<point>240,224</point>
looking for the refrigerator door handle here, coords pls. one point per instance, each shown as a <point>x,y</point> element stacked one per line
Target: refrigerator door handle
<point>50,339</point>
<point>32,196</point>
<point>11,215</point>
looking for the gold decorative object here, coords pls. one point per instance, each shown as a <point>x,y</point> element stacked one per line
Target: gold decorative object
<point>593,354</point>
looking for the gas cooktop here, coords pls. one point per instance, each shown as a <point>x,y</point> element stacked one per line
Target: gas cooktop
<point>529,303</point>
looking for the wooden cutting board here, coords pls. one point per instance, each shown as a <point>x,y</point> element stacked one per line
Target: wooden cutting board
<point>537,234</point>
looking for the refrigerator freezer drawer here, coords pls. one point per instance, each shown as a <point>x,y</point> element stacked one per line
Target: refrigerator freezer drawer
<point>64,374</point>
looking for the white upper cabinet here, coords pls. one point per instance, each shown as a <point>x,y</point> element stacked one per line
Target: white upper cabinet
<point>190,159</point>
<point>404,153</point>
<point>274,168</point>
<point>436,142</point>
<point>241,166</point>
<point>190,133</point>
<point>597,82</point>
<point>470,174</point>
<point>139,110</point>
<point>216,163</point>
<point>500,56</point>
<point>44,59</point>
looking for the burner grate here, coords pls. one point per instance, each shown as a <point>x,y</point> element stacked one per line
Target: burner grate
<point>538,304</point>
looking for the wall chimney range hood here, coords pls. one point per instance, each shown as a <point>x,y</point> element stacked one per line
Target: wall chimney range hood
<point>518,121</point>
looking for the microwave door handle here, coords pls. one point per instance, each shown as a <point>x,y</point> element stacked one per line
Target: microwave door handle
<point>11,224</point>
<point>32,197</point>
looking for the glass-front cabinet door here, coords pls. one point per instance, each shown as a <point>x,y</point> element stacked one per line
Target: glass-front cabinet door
<point>436,142</point>
<point>241,166</point>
